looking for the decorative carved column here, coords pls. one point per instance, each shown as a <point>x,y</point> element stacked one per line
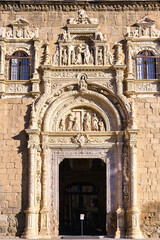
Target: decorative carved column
<point>130,61</point>
<point>44,218</point>
<point>120,233</point>
<point>47,55</point>
<point>31,227</point>
<point>2,64</point>
<point>35,80</point>
<point>133,213</point>
<point>119,78</point>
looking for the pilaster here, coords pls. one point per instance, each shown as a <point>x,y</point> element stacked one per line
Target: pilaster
<point>120,233</point>
<point>44,218</point>
<point>31,227</point>
<point>133,225</point>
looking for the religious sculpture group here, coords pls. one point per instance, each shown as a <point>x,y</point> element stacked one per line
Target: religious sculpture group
<point>79,121</point>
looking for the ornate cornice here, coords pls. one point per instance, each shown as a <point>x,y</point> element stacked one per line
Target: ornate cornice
<point>67,6</point>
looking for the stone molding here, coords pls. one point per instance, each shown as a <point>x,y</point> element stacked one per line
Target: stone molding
<point>62,6</point>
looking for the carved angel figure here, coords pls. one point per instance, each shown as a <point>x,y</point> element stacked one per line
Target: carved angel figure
<point>62,125</point>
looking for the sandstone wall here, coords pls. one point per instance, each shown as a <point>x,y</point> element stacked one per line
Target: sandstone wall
<point>13,163</point>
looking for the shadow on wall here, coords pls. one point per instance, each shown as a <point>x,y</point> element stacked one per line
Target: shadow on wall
<point>150,220</point>
<point>22,149</point>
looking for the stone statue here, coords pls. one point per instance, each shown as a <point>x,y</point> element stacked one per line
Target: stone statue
<point>70,122</point>
<point>62,125</point>
<point>79,54</point>
<point>109,57</point>
<point>64,57</point>
<point>91,59</point>
<point>95,121</point>
<point>86,55</point>
<point>75,124</point>
<point>56,57</point>
<point>87,122</point>
<point>101,125</point>
<point>100,57</point>
<point>82,84</point>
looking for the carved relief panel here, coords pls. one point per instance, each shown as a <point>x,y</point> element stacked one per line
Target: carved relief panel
<point>82,119</point>
<point>82,44</point>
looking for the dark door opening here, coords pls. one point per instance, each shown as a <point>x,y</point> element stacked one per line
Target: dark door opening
<point>82,191</point>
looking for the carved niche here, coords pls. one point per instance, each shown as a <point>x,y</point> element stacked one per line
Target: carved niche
<point>82,119</point>
<point>82,43</point>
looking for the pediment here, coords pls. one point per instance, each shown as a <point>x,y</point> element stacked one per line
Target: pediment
<point>144,28</point>
<point>145,22</point>
<point>20,22</point>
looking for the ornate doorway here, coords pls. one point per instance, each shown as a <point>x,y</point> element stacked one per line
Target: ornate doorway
<point>82,190</point>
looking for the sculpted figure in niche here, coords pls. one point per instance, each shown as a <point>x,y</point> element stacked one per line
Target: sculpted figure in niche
<point>82,83</point>
<point>56,57</point>
<point>70,122</point>
<point>95,121</point>
<point>62,125</point>
<point>79,54</point>
<point>100,57</point>
<point>109,57</point>
<point>86,55</point>
<point>91,59</point>
<point>87,122</point>
<point>101,125</point>
<point>64,57</point>
<point>75,124</point>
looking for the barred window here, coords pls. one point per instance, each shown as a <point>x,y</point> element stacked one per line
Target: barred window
<point>146,64</point>
<point>20,66</point>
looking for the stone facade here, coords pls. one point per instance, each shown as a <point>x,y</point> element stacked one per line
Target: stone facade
<point>83,100</point>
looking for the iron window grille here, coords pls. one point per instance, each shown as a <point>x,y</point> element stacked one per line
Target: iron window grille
<point>147,65</point>
<point>20,66</point>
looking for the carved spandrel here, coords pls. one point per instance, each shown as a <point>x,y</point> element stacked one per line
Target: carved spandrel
<point>82,120</point>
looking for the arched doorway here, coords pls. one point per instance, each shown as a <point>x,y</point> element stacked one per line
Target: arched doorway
<point>82,184</point>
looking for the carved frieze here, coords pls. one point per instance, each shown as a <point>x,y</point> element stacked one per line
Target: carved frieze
<point>17,88</point>
<point>105,6</point>
<point>146,86</point>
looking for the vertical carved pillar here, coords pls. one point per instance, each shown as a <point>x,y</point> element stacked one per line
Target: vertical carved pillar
<point>47,55</point>
<point>130,61</point>
<point>104,55</point>
<point>119,78</point>
<point>2,64</point>
<point>31,228</point>
<point>44,219</point>
<point>69,55</point>
<point>95,55</point>
<point>120,233</point>
<point>35,80</point>
<point>133,225</point>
